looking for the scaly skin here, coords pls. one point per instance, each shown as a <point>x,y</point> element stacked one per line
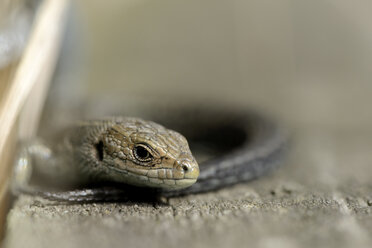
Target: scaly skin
<point>124,150</point>
<point>111,149</point>
<point>142,153</point>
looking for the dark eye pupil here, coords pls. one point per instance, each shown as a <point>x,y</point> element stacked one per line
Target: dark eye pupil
<point>142,152</point>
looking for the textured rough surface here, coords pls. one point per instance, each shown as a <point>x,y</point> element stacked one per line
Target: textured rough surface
<point>305,203</point>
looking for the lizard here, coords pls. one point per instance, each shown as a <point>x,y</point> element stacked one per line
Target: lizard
<point>148,156</point>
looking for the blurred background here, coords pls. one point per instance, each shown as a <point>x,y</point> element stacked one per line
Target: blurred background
<point>308,61</point>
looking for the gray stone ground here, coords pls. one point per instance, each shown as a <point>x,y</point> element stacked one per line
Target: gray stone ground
<point>320,198</point>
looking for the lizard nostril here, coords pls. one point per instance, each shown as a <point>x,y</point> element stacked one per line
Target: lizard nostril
<point>185,167</point>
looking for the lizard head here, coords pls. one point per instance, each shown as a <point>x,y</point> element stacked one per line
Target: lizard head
<point>144,153</point>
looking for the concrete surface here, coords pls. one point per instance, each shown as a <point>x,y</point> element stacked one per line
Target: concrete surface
<point>322,197</point>
<point>306,62</point>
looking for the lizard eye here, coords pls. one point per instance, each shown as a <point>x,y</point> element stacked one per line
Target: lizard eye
<point>142,153</point>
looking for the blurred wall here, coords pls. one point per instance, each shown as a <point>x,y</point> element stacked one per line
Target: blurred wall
<point>207,49</point>
<point>308,61</point>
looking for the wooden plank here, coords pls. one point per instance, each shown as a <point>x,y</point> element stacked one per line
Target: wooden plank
<point>5,78</point>
<point>32,74</point>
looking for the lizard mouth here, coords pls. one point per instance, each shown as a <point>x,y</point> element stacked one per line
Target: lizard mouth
<point>156,178</point>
